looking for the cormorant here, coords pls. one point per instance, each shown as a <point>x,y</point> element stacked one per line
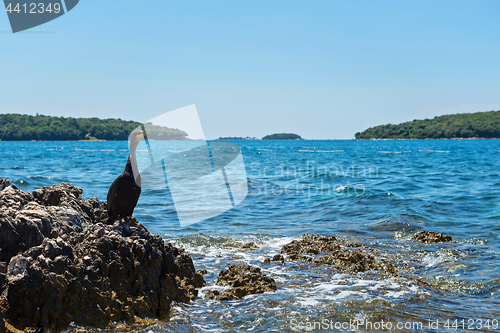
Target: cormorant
<point>124,193</point>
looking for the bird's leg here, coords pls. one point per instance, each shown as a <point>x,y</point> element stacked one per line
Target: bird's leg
<point>125,224</point>
<point>128,223</point>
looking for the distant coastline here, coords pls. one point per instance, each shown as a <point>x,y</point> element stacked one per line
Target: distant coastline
<point>479,125</point>
<point>282,136</point>
<point>17,127</point>
<point>408,139</point>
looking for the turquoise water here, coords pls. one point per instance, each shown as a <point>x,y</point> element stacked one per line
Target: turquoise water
<point>379,193</point>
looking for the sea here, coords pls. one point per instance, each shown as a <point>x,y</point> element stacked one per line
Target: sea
<point>378,193</point>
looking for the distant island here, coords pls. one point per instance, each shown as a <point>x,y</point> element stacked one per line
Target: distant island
<point>16,127</point>
<point>282,136</point>
<point>462,125</point>
<point>237,138</point>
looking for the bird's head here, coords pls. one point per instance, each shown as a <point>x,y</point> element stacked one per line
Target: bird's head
<point>135,138</point>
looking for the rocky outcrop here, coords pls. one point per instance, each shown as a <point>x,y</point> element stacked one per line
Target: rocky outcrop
<point>431,237</point>
<point>311,244</point>
<point>61,264</point>
<point>340,257</point>
<point>276,257</point>
<point>243,280</point>
<point>249,245</point>
<point>6,184</point>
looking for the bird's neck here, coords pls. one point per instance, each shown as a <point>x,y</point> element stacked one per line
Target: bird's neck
<point>131,162</point>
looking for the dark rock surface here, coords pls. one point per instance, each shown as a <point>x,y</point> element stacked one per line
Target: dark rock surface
<point>311,244</point>
<point>249,245</point>
<point>60,264</point>
<point>341,258</point>
<point>243,280</point>
<point>431,237</point>
<point>277,257</point>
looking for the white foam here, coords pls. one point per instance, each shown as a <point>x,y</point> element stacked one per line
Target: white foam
<point>395,294</point>
<point>347,293</point>
<point>307,301</point>
<point>278,242</point>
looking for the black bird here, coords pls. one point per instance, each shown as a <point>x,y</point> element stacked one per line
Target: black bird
<point>125,191</point>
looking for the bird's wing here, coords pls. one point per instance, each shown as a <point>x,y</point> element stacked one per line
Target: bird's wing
<point>113,191</point>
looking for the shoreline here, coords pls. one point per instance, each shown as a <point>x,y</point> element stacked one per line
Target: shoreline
<point>381,139</point>
<point>389,139</point>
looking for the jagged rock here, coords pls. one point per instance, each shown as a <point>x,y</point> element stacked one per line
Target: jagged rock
<point>7,184</point>
<point>14,199</point>
<point>431,237</point>
<point>354,261</point>
<point>343,259</point>
<point>278,257</point>
<point>249,245</point>
<point>60,264</point>
<point>311,244</point>
<point>243,280</point>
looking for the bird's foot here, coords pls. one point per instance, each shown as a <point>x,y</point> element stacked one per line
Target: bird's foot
<point>125,225</point>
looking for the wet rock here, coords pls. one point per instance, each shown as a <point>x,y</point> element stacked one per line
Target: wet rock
<point>60,264</point>
<point>354,261</point>
<point>311,244</point>
<point>243,280</point>
<point>341,258</point>
<point>431,237</point>
<point>278,257</point>
<point>249,245</point>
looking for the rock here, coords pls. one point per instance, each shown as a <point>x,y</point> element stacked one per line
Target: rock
<point>60,264</point>
<point>17,268</point>
<point>311,244</point>
<point>3,276</point>
<point>431,237</point>
<point>343,259</point>
<point>354,261</point>
<point>243,280</point>
<point>6,184</point>
<point>14,199</point>
<point>278,257</point>
<point>249,245</point>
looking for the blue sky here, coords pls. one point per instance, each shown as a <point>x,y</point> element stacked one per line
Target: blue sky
<point>321,69</point>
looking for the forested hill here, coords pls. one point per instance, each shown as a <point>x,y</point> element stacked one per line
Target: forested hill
<point>16,127</point>
<point>282,136</point>
<point>463,125</point>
